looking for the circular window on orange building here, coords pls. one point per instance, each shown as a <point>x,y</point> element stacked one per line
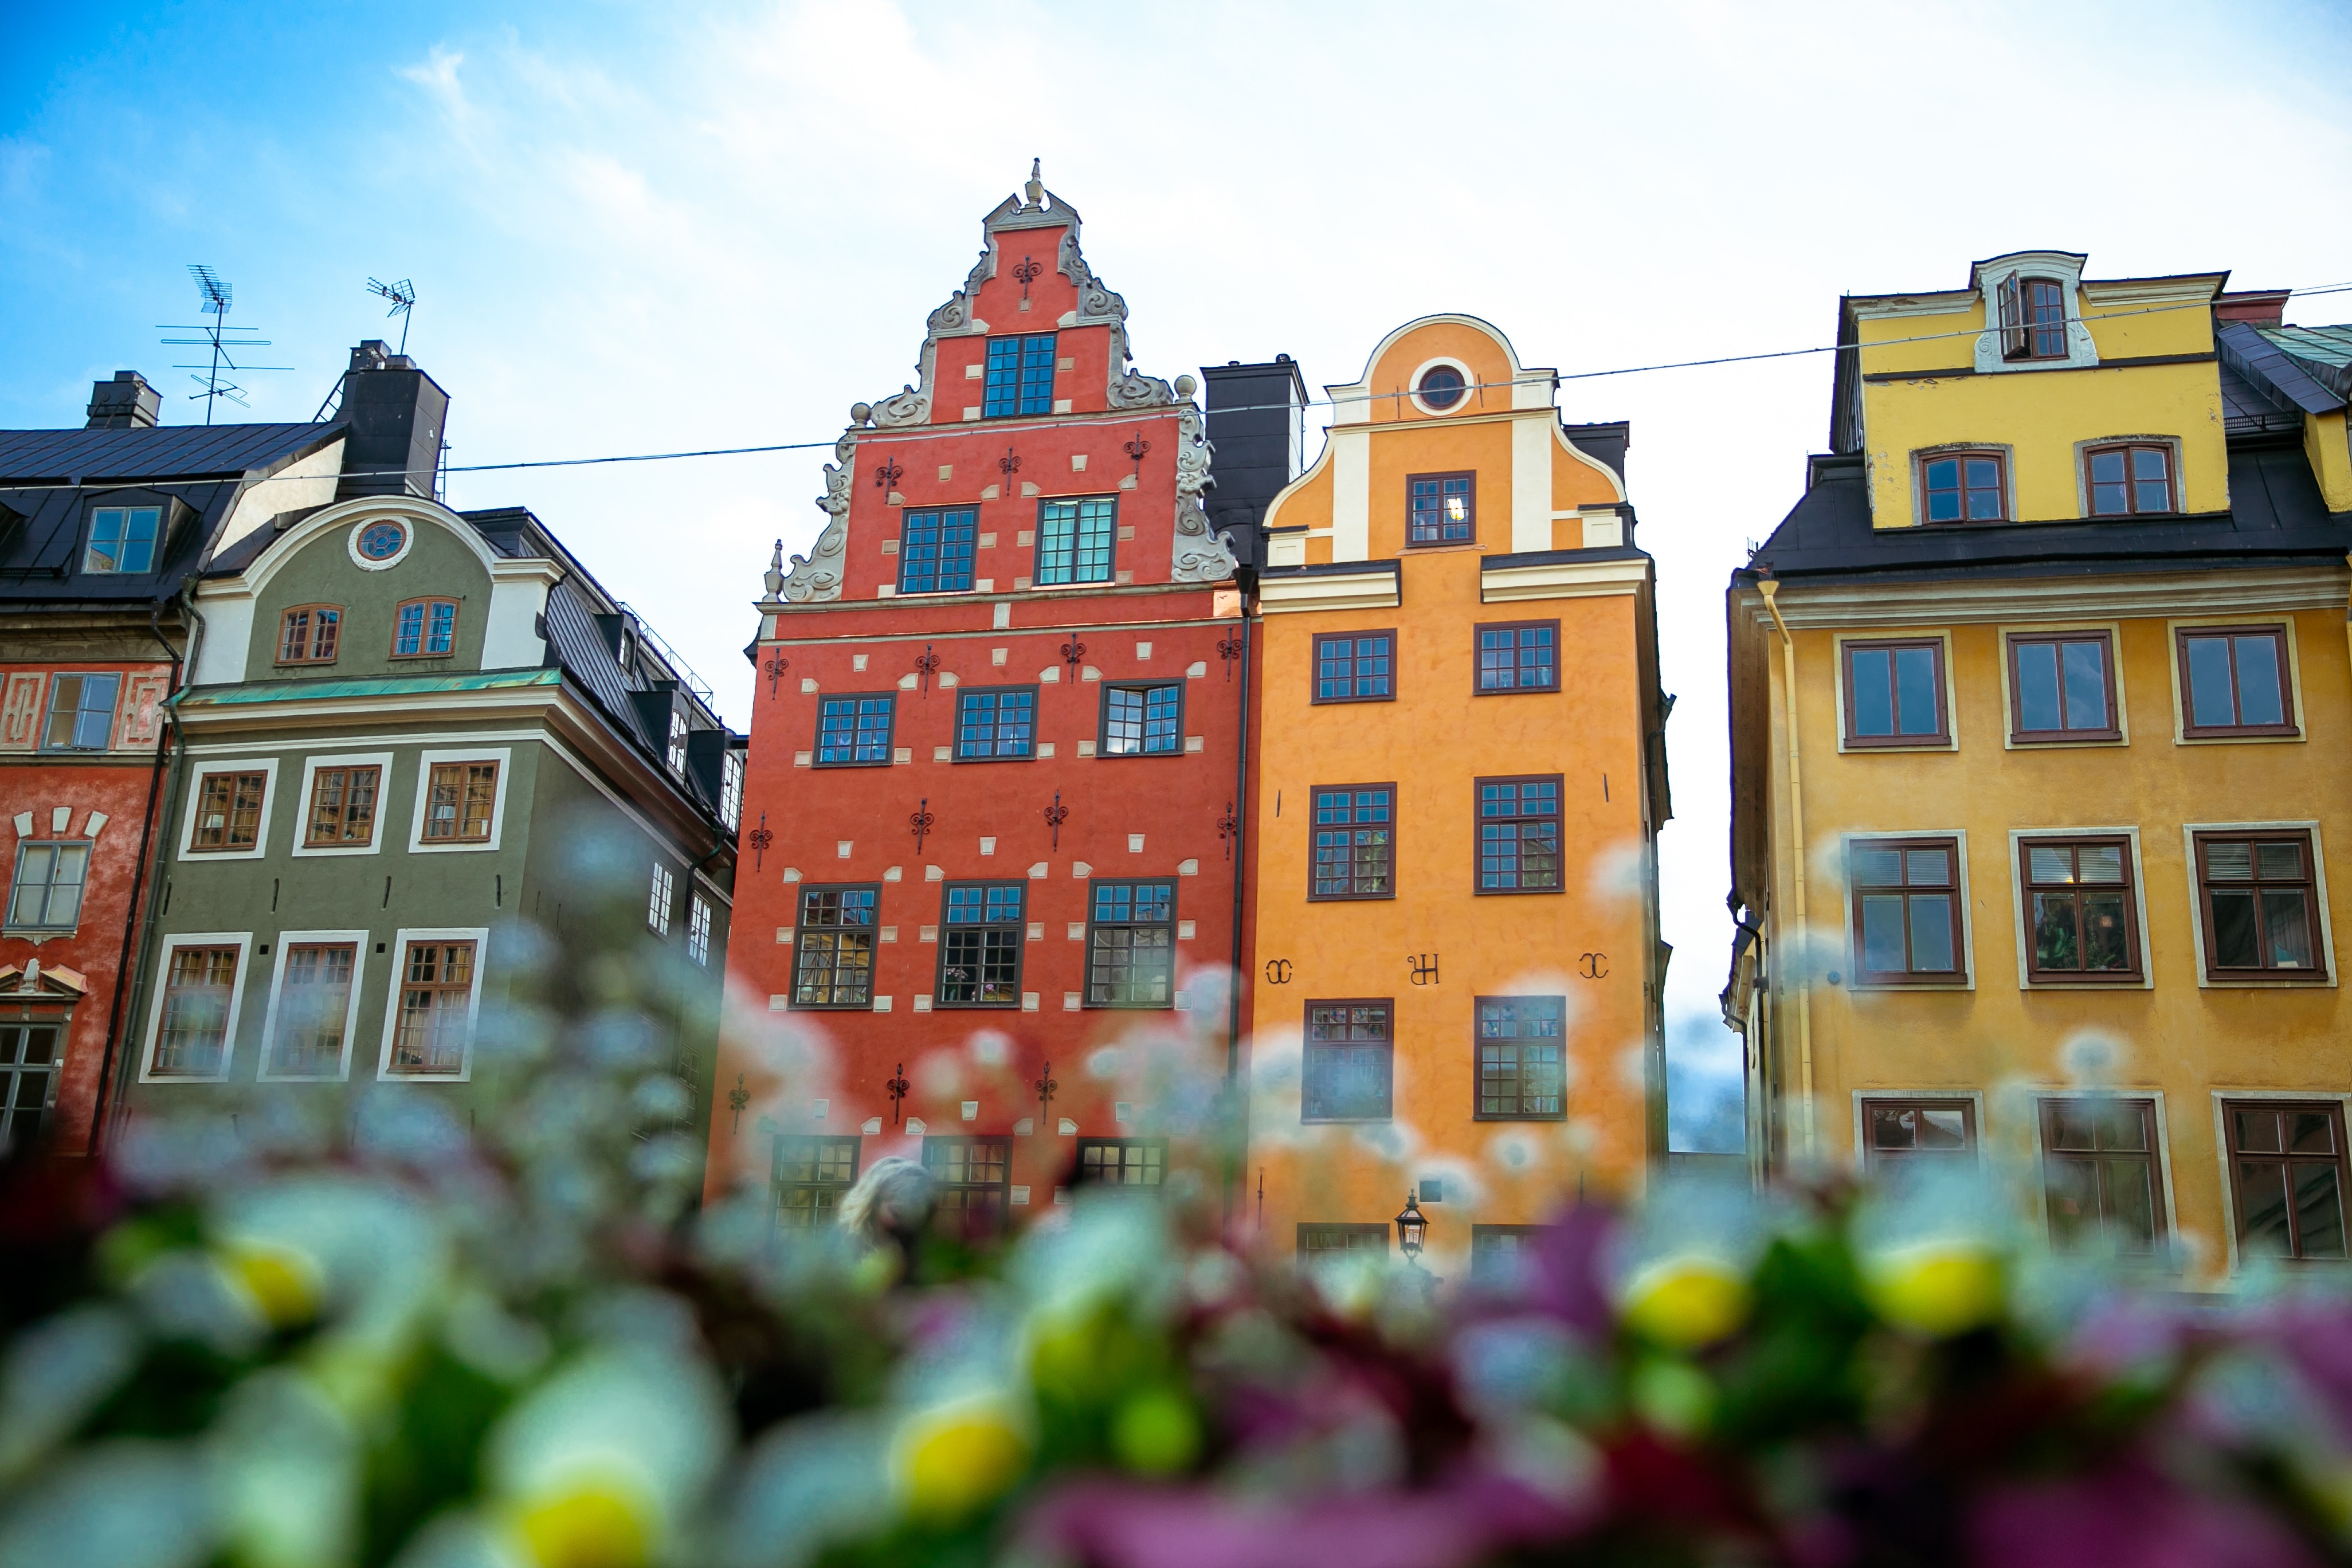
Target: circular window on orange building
<point>1441,386</point>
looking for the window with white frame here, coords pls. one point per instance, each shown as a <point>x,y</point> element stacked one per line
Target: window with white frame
<point>697,929</point>
<point>730,789</point>
<point>46,892</point>
<point>434,999</point>
<point>198,1002</point>
<point>676,741</point>
<point>658,907</point>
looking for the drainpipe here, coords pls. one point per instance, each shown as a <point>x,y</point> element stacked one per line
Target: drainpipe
<point>1237,1103</point>
<point>1799,978</point>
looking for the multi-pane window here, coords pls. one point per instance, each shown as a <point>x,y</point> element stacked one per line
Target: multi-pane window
<point>659,901</point>
<point>309,634</point>
<point>228,811</point>
<point>2032,317</point>
<point>1350,1062</point>
<point>1355,666</point>
<point>678,735</point>
<point>81,712</point>
<point>1906,911</point>
<point>1122,1162</point>
<point>198,985</point>
<point>1074,541</point>
<point>342,807</point>
<point>1497,1252</point>
<point>2259,904</point>
<point>1894,693</point>
<point>981,933</point>
<point>1522,1075</point>
<point>436,993</point>
<point>993,724</point>
<point>2233,681</point>
<point>972,1183</point>
<point>424,629</point>
<point>1917,1134</point>
<point>1518,834</point>
<point>1142,720</point>
<point>697,929</point>
<point>808,1176</point>
<point>46,892</point>
<point>459,802</point>
<point>1326,1239</point>
<point>123,539</point>
<point>2128,480</point>
<point>853,732</point>
<point>28,1082</point>
<point>730,788</point>
<point>935,551</point>
<point>1963,487</point>
<point>1442,509</point>
<point>1020,376</point>
<point>1355,842</point>
<point>834,963</point>
<point>1519,658</point>
<point>1132,945</point>
<point>2286,1167</point>
<point>2099,1174</point>
<point>2079,914</point>
<point>2062,686</point>
<point>314,1001</point>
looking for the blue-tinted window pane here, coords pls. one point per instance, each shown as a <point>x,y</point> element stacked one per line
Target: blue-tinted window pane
<point>1003,394</point>
<point>1872,671</point>
<point>995,724</point>
<point>935,551</point>
<point>409,636</point>
<point>2151,484</point>
<point>1037,373</point>
<point>1074,541</point>
<point>1140,720</point>
<point>1518,659</point>
<point>2108,492</point>
<point>2262,694</point>
<point>1984,490</point>
<point>441,631</point>
<point>1440,510</point>
<point>1518,836</point>
<point>2209,703</point>
<point>1944,490</point>
<point>854,729</point>
<point>1914,692</point>
<point>1931,933</point>
<point>1882,934</point>
<point>2037,687</point>
<point>2086,685</point>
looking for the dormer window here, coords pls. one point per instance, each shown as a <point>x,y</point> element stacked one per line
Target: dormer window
<point>122,540</point>
<point>730,790</point>
<point>424,629</point>
<point>676,741</point>
<point>2033,319</point>
<point>309,634</point>
<point>1020,376</point>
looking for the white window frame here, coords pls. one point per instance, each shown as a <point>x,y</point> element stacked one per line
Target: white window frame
<point>2115,630</point>
<point>286,940</point>
<point>2017,836</point>
<point>268,767</point>
<point>401,941</point>
<point>2174,1244</point>
<point>1975,1097</point>
<point>661,900</point>
<point>2189,832</point>
<point>1952,688</point>
<point>699,922</point>
<point>2222,1157</point>
<point>2063,269</point>
<point>39,934</point>
<point>311,766</point>
<point>240,940</point>
<point>1968,934</point>
<point>732,767</point>
<point>425,763</point>
<point>2180,736</point>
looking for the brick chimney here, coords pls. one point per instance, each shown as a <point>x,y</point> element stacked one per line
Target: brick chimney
<point>396,413</point>
<point>126,403</point>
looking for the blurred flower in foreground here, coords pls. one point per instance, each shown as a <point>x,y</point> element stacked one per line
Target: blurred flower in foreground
<point>1685,1302</point>
<point>1937,1287</point>
<point>950,1461</point>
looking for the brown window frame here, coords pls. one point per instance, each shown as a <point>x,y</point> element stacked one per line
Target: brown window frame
<point>236,778</point>
<point>1386,1004</point>
<point>1899,741</point>
<point>871,930</point>
<point>1963,456</point>
<point>2191,729</point>
<point>410,1023</point>
<point>1315,666</point>
<point>465,796</point>
<point>2105,640</point>
<point>1014,931</point>
<point>2131,483</point>
<point>299,1011</point>
<point>2046,1115</point>
<point>2027,886</point>
<point>349,777</point>
<point>2021,333</point>
<point>1478,687</point>
<point>2201,839</point>
<point>1154,1163</point>
<point>996,1212</point>
<point>1316,827</point>
<point>811,1166</point>
<point>1441,542</point>
<point>1346,1233</point>
<point>1557,817</point>
<point>315,631</point>
<point>1875,1158</point>
<point>1953,893</point>
<point>2292,1204</point>
<point>206,954</point>
<point>1481,1041</point>
<point>423,641</point>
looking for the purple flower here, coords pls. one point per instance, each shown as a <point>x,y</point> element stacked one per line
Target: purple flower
<point>2129,1516</point>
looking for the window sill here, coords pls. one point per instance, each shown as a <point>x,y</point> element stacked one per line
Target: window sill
<point>1847,745</point>
<point>1343,701</point>
<point>1518,892</point>
<point>2035,738</point>
<point>2113,980</point>
<point>1386,898</point>
<point>1025,758</point>
<point>2226,737</point>
<point>881,763</point>
<point>1931,985</point>
<point>37,933</point>
<point>2315,980</point>
<point>1483,1116</point>
<point>1345,1120</point>
<point>1517,691</point>
<point>831,1006</point>
<point>1167,1006</point>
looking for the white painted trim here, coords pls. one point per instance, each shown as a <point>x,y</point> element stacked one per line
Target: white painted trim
<point>2066,268</point>
<point>1352,404</point>
<point>519,590</point>
<point>1975,1097</point>
<point>502,755</point>
<point>1469,391</point>
<point>1616,484</point>
<point>1961,601</point>
<point>1952,688</point>
<point>1967,934</point>
<point>2189,832</point>
<point>1562,580</point>
<point>2115,630</point>
<point>1329,591</point>
<point>2017,838</point>
<point>359,940</point>
<point>369,563</point>
<point>2229,1180</point>
<point>2172,630</point>
<point>1531,527</point>
<point>302,828</point>
<point>2172,1237</point>
<point>267,766</point>
<point>480,937</point>
<point>240,940</point>
<point>1351,494</point>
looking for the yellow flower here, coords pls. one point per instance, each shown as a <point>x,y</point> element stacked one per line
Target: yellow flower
<point>284,1283</point>
<point>1937,1288</point>
<point>954,1460</point>
<point>589,1519</point>
<point>1686,1302</point>
<point>1155,1433</point>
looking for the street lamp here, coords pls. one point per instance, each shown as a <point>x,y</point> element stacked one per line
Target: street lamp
<point>1411,1226</point>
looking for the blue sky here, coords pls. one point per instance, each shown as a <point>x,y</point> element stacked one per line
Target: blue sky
<point>640,229</point>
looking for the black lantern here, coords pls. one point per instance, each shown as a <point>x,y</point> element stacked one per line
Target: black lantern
<point>1411,1226</point>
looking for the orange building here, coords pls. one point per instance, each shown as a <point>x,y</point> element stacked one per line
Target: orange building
<point>1461,778</point>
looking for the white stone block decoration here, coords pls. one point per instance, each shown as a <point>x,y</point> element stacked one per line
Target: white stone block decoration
<point>1004,611</point>
<point>1027,537</point>
<point>872,1125</point>
<point>948,680</point>
<point>923,1003</point>
<point>1196,742</point>
<point>1001,614</point>
<point>1062,1194</point>
<point>894,873</point>
<point>24,820</point>
<point>1143,650</point>
<point>792,873</point>
<point>990,494</point>
<point>858,660</point>
<point>889,547</point>
<point>1081,870</point>
<point>902,755</point>
<point>1196,670</point>
<point>779,1003</point>
<point>987,542</point>
<point>1086,748</point>
<point>915,1127</point>
<point>804,759</point>
<point>1044,748</point>
<point>60,819</point>
<point>1077,462</point>
<point>807,685</point>
<point>930,933</point>
<point>889,933</point>
<point>1069,1001</point>
<point>972,416</point>
<point>1036,931</point>
<point>1088,672</point>
<point>1127,531</point>
<point>1188,867</point>
<point>935,873</point>
<point>905,683</point>
<point>970,373</point>
<point>1127,482</point>
<point>1183,930</point>
<point>1077,931</point>
<point>882,1003</point>
<point>819,1110</point>
<point>1021,1197</point>
<point>784,936</point>
<point>1122,1109</point>
<point>842,846</point>
<point>1050,675</point>
<point>1029,489</point>
<point>1024,1127</point>
<point>1069,1128</point>
<point>1134,843</point>
<point>1028,1001</point>
<point>1037,872</point>
<point>942,754</point>
<point>982,585</point>
<point>1061,406</point>
<point>947,470</point>
<point>896,498</point>
<point>988,846</point>
<point>999,655</point>
<point>887,591</point>
<point>971,1111</point>
<point>1123,578</point>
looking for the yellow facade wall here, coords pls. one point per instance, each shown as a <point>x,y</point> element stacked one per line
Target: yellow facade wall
<point>2327,442</point>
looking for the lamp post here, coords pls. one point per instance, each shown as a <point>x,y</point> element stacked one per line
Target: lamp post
<point>1412,1226</point>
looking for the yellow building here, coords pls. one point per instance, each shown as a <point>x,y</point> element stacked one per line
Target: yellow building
<point>2038,699</point>
<point>1461,772</point>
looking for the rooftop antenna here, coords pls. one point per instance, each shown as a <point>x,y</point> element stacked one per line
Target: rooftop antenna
<point>217,294</point>
<point>402,296</point>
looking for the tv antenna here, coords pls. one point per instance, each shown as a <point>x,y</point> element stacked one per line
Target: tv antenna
<point>402,296</point>
<point>212,387</point>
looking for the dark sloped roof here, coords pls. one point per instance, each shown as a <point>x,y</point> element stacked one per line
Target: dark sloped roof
<point>162,452</point>
<point>2250,406</point>
<point>2325,351</point>
<point>2255,356</point>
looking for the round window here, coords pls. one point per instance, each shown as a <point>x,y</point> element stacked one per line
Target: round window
<point>383,541</point>
<point>1441,386</point>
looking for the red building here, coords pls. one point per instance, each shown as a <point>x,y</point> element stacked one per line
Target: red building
<point>994,770</point>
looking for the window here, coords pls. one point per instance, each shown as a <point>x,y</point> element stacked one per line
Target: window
<point>1355,842</point>
<point>834,966</point>
<point>308,634</point>
<point>853,732</point>
<point>1329,1240</point>
<point>1132,945</point>
<point>2079,915</point>
<point>81,712</point>
<point>1903,1135</point>
<point>28,1082</point>
<point>1906,911</point>
<point>2286,1163</point>
<point>2063,687</point>
<point>995,724</point>
<point>1894,693</point>
<point>1142,720</point>
<point>437,992</point>
<point>1965,487</point>
<point>459,801</point>
<point>123,539</point>
<point>1442,509</point>
<point>46,892</point>
<point>1356,667</point>
<point>1518,834</point>
<point>676,741</point>
<point>1075,540</point>
<point>808,1176</point>
<point>1122,1162</point>
<point>1350,1062</point>
<point>730,788</point>
<point>1519,658</point>
<point>228,811</point>
<point>698,930</point>
<point>1522,1075</point>
<point>1020,376</point>
<point>342,807</point>
<point>1498,1252</point>
<point>424,629</point>
<point>2257,900</point>
<point>2033,319</point>
<point>2099,1175</point>
<point>658,904</point>
<point>935,551</point>
<point>2128,480</point>
<point>971,1184</point>
<point>199,983</point>
<point>383,541</point>
<point>314,1001</point>
<point>1441,386</point>
<point>981,933</point>
<point>2233,681</point>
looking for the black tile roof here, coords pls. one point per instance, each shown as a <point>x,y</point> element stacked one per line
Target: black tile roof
<point>160,453</point>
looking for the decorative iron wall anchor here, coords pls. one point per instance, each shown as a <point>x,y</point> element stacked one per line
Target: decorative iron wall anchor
<point>1028,272</point>
<point>775,666</point>
<point>1228,827</point>
<point>920,823</point>
<point>1228,648</point>
<point>888,473</point>
<point>895,1087</point>
<point>737,1098</point>
<point>1073,651</point>
<point>1135,447</point>
<point>760,840</point>
<point>1277,972</point>
<point>1056,815</point>
<point>1045,1086</point>
<point>1009,464</point>
<point>1423,966</point>
<point>1595,965</point>
<point>926,663</point>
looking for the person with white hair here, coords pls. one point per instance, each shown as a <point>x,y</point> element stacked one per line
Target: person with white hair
<point>888,1205</point>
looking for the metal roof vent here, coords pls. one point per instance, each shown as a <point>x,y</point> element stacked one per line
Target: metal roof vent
<point>126,403</point>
